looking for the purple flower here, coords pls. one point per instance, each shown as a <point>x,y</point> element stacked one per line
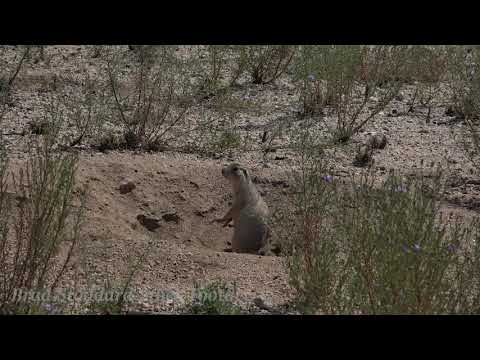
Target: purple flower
<point>328,178</point>
<point>49,307</point>
<point>451,247</point>
<point>311,77</point>
<point>416,248</point>
<point>400,188</point>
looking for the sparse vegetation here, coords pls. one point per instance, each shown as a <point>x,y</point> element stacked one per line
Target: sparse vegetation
<point>152,101</point>
<point>84,109</point>
<point>464,84</point>
<point>266,64</point>
<point>351,83</point>
<point>118,291</point>
<point>43,221</point>
<point>215,298</point>
<point>426,67</point>
<point>355,241</point>
<point>377,247</point>
<point>8,75</point>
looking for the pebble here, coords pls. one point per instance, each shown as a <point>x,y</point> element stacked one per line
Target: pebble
<point>126,186</point>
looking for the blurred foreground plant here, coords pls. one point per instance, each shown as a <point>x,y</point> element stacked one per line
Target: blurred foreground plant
<point>368,246</point>
<point>40,223</point>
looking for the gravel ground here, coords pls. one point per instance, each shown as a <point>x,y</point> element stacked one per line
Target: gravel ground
<point>183,193</point>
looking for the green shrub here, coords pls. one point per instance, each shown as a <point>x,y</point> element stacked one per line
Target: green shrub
<point>218,62</point>
<point>152,99</point>
<point>426,67</point>
<point>377,247</point>
<point>266,63</point>
<point>353,82</point>
<point>213,299</point>
<point>117,292</point>
<point>229,139</point>
<point>84,108</point>
<point>8,75</point>
<point>224,65</point>
<point>464,84</point>
<point>217,131</point>
<point>44,220</point>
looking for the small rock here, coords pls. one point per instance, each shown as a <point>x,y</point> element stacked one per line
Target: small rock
<point>202,212</point>
<point>259,302</point>
<point>377,141</point>
<point>195,184</point>
<point>262,305</point>
<point>199,213</point>
<point>281,183</point>
<point>171,217</point>
<point>450,111</point>
<point>126,186</point>
<point>151,224</point>
<point>363,156</point>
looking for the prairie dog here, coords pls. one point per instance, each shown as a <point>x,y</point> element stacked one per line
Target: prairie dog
<point>249,212</point>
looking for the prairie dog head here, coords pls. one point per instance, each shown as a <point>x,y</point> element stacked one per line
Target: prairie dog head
<point>236,174</point>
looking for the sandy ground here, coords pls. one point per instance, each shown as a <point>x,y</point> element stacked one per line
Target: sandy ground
<point>190,248</point>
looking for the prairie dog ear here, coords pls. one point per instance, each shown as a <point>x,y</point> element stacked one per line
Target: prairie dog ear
<point>245,172</point>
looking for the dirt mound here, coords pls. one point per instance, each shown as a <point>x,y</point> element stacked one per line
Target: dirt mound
<point>184,195</point>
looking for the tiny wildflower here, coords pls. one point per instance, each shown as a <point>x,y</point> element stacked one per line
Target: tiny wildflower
<point>49,307</point>
<point>401,188</point>
<point>328,178</point>
<point>416,248</point>
<point>451,247</point>
<point>311,77</point>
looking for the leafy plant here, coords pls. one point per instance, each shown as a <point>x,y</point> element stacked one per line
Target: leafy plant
<point>152,100</point>
<point>427,67</point>
<point>354,82</point>
<point>265,63</point>
<point>213,299</point>
<point>464,84</point>
<point>367,246</point>
<point>8,75</point>
<point>83,108</point>
<point>45,220</point>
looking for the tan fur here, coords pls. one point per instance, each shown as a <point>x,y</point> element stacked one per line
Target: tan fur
<point>249,212</point>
